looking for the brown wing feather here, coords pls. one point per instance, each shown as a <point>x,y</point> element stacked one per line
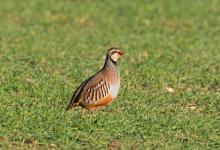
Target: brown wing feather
<point>90,91</point>
<point>93,91</point>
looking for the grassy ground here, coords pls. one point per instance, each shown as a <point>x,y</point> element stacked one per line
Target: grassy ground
<point>47,48</point>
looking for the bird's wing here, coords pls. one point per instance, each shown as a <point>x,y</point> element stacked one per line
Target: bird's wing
<point>96,89</point>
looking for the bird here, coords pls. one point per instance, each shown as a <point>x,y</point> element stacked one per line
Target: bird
<point>102,88</point>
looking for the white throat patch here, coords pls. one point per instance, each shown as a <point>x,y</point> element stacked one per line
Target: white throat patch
<point>115,57</point>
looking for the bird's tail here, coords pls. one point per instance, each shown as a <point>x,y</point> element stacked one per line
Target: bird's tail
<point>72,105</point>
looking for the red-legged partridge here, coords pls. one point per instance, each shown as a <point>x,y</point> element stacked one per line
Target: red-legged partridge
<point>101,88</point>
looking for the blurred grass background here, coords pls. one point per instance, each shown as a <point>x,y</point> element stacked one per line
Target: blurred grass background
<point>47,48</point>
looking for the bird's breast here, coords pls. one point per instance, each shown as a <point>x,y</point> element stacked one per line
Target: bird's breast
<point>114,89</point>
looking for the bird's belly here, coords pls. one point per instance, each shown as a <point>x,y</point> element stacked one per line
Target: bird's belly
<point>114,89</point>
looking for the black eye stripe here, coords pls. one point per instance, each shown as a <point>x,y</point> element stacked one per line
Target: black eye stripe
<point>112,52</point>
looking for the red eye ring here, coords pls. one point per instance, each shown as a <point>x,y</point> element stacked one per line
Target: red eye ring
<point>120,53</point>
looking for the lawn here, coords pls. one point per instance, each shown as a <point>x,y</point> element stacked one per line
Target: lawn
<point>47,48</point>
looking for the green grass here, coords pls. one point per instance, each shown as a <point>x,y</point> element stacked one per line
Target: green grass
<point>47,48</point>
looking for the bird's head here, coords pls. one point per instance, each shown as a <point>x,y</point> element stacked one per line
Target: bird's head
<point>114,54</point>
